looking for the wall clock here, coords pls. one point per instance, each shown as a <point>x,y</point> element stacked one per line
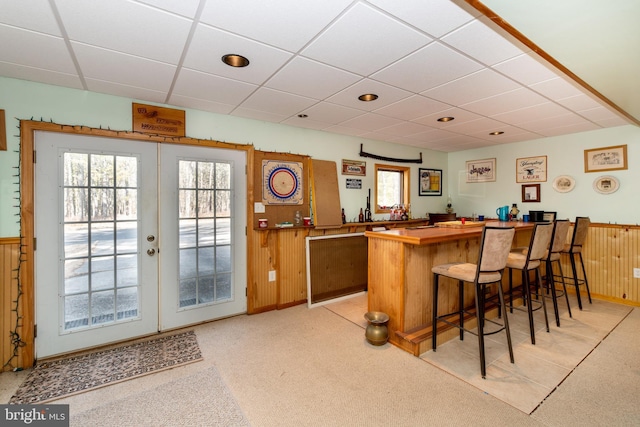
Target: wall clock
<point>281,183</point>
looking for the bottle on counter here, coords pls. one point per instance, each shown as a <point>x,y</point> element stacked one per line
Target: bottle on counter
<point>344,218</point>
<point>361,216</point>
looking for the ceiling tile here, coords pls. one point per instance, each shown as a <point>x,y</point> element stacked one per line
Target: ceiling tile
<point>370,121</point>
<point>514,100</point>
<point>579,102</point>
<point>259,115</point>
<point>474,38</point>
<point>194,84</point>
<point>556,89</point>
<point>471,127</point>
<point>535,112</point>
<point>538,125</point>
<point>429,67</point>
<point>186,8</point>
<point>412,107</point>
<point>201,104</point>
<point>458,114</point>
<point>442,17</point>
<point>118,24</point>
<point>474,87</point>
<point>277,102</point>
<point>288,24</point>
<point>386,95</point>
<point>39,75</point>
<point>209,45</point>
<point>115,67</point>
<point>405,128</point>
<point>305,77</point>
<point>564,130</point>
<point>375,40</point>
<point>117,89</point>
<point>527,69</point>
<point>331,113</point>
<point>305,123</point>
<point>34,15</point>
<point>35,50</point>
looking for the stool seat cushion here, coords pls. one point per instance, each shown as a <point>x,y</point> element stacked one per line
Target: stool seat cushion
<point>518,260</point>
<point>466,271</point>
<point>555,256</point>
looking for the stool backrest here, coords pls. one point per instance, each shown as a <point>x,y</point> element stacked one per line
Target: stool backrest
<point>560,232</point>
<point>540,240</point>
<point>494,249</point>
<point>580,231</point>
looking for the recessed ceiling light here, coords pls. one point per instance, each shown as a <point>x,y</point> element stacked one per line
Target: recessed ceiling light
<point>368,97</point>
<point>303,116</point>
<point>234,60</point>
<point>445,119</point>
<point>496,133</point>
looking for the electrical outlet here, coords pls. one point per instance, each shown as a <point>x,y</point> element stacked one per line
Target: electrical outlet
<point>636,273</point>
<point>272,276</point>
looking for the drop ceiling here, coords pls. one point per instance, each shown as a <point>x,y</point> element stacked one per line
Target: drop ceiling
<point>424,60</point>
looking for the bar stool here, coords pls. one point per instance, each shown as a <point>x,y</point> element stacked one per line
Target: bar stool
<point>558,239</point>
<point>494,249</point>
<point>580,232</point>
<point>528,260</point>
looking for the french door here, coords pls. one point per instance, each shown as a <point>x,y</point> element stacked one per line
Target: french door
<point>133,238</point>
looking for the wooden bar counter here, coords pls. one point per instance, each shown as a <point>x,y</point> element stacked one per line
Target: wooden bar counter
<point>400,282</point>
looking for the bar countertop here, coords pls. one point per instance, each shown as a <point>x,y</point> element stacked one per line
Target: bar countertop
<point>434,234</point>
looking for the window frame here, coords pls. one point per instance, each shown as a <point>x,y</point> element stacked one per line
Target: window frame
<point>406,180</point>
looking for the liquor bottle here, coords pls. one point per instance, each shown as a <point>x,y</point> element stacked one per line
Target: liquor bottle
<point>344,218</point>
<point>361,216</point>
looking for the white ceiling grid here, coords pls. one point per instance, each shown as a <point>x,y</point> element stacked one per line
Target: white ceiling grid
<point>424,59</point>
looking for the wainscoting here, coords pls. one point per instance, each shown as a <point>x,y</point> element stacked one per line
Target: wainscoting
<point>611,254</point>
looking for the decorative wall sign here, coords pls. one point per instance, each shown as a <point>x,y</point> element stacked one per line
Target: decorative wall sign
<point>354,183</point>
<point>531,169</point>
<point>281,183</point>
<point>430,181</point>
<point>158,120</point>
<point>605,159</point>
<point>530,193</point>
<point>354,167</point>
<point>606,184</point>
<point>481,170</point>
<point>564,183</point>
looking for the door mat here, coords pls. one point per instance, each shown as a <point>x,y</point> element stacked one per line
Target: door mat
<point>59,378</point>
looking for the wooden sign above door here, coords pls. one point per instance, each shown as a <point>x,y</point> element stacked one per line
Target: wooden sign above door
<point>158,120</point>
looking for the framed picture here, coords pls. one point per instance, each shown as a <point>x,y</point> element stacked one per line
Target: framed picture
<point>354,167</point>
<point>531,169</point>
<point>430,182</point>
<point>530,193</point>
<point>481,170</point>
<point>605,159</point>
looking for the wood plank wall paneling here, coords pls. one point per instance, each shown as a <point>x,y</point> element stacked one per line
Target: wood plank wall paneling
<point>611,253</point>
<point>9,261</point>
<point>292,282</point>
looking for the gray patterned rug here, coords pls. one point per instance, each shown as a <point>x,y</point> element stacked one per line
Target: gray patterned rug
<point>55,379</point>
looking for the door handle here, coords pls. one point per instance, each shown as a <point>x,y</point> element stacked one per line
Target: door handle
<point>151,252</point>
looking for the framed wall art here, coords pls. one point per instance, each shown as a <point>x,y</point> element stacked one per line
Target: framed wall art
<point>531,169</point>
<point>605,159</point>
<point>564,183</point>
<point>430,182</point>
<point>481,170</point>
<point>530,193</point>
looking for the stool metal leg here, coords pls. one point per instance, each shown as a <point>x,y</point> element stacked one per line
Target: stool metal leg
<point>434,315</point>
<point>576,280</point>
<point>479,317</point>
<point>584,274</point>
<point>552,285</point>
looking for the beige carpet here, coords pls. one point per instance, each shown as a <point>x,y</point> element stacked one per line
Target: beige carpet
<point>55,379</point>
<point>200,399</point>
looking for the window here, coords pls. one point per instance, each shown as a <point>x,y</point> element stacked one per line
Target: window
<point>392,187</point>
